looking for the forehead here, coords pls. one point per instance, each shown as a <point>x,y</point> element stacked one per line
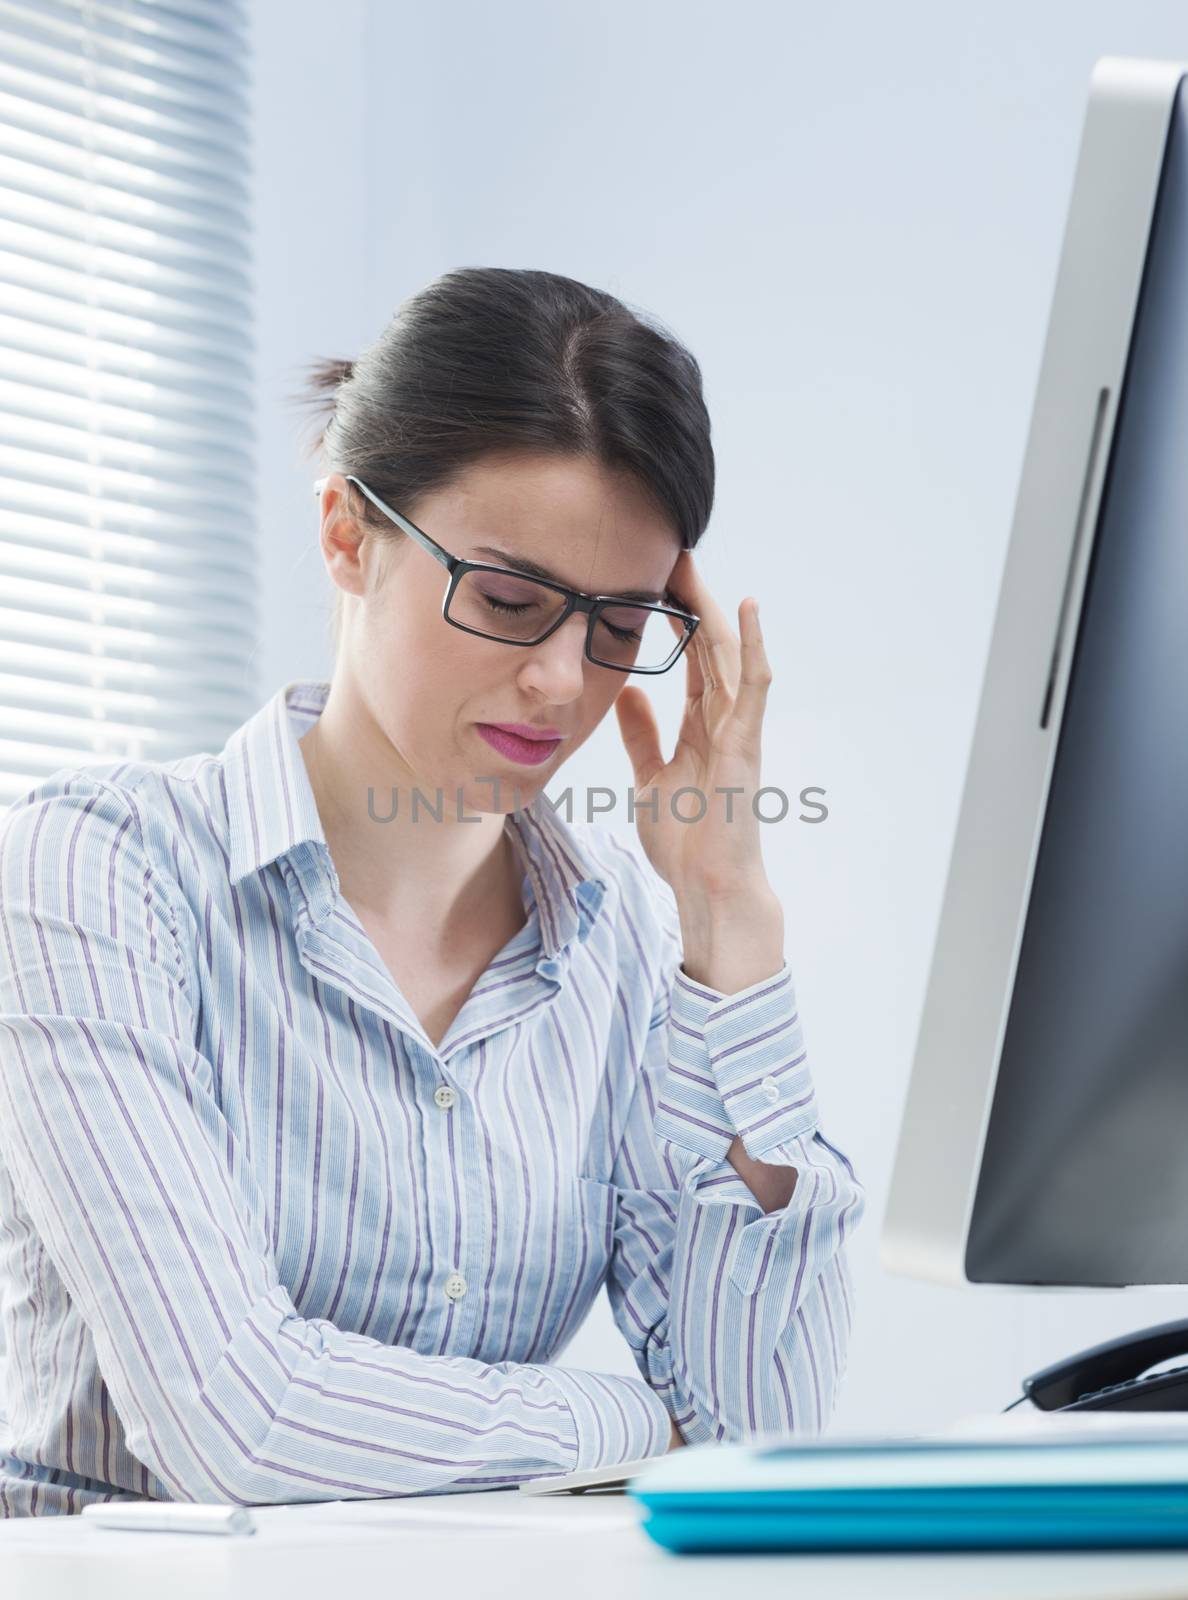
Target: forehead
<point>569,518</point>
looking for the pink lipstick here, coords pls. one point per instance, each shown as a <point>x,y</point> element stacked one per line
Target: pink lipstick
<point>512,740</point>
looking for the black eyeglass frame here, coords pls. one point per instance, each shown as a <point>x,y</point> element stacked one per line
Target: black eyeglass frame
<point>575,600</point>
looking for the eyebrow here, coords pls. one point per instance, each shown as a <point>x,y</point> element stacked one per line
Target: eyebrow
<point>533,569</point>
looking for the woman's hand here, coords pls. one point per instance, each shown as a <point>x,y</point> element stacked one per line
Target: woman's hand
<point>718,748</point>
<point>675,1440</point>
<point>713,858</point>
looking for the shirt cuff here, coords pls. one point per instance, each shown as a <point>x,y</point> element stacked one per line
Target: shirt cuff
<point>737,1065</point>
<point>615,1418</point>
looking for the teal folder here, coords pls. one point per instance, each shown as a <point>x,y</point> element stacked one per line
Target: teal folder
<point>919,1494</point>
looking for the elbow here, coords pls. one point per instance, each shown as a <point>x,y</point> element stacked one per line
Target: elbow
<point>201,1455</point>
<point>183,1460</point>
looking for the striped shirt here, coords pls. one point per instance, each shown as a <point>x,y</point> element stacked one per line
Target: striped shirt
<point>261,1240</point>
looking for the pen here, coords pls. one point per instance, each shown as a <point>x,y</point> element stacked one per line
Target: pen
<point>167,1516</point>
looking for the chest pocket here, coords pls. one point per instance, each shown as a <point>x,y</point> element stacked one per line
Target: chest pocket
<point>590,1241</point>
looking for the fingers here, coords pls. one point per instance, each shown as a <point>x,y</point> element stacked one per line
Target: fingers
<point>640,733</point>
<point>755,676</point>
<point>704,644</point>
<point>695,681</point>
<point>715,643</point>
<point>687,582</point>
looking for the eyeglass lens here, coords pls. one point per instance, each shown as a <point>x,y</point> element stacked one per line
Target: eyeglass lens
<point>520,610</point>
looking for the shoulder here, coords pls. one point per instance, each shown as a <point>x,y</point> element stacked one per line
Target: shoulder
<point>80,817</point>
<point>76,799</point>
<point>88,899</point>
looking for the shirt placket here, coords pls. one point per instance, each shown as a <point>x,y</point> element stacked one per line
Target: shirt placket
<point>456,1275</point>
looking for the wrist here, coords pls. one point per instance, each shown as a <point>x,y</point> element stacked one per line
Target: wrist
<point>731,945</point>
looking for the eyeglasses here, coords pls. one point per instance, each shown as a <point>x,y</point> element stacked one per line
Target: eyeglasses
<point>514,608</point>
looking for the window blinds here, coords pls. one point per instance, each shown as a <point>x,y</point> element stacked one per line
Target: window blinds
<point>127,545</point>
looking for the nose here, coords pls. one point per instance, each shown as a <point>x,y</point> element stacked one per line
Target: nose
<point>555,669</point>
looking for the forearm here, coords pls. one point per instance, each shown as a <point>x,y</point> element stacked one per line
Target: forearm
<point>390,1420</point>
<point>779,1280</point>
<point>728,946</point>
<point>725,1059</point>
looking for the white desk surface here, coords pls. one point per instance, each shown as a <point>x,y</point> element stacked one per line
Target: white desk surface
<point>566,1547</point>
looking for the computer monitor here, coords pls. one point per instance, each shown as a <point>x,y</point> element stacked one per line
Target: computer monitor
<point>1045,1135</point>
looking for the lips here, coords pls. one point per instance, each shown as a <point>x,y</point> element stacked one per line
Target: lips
<point>525,730</point>
<point>528,752</point>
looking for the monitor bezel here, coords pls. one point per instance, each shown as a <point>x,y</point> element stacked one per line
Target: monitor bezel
<point>1017,729</point>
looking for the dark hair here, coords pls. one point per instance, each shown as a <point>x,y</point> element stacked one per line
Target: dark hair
<point>491,360</point>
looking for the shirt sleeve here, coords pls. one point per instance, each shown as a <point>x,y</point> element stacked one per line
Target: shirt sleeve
<point>738,1318</point>
<point>111,1129</point>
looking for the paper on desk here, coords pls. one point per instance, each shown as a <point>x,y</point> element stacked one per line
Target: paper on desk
<point>514,1513</point>
<point>1057,1426</point>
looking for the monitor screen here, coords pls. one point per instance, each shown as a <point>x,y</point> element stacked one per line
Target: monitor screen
<point>1084,1172</point>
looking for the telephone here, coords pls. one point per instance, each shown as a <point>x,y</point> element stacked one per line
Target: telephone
<point>1110,1375</point>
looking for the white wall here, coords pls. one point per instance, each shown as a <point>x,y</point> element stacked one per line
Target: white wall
<point>312,249</point>
<point>853,218</point>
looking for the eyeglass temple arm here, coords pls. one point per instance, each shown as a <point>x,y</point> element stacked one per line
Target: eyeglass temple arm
<point>448,561</point>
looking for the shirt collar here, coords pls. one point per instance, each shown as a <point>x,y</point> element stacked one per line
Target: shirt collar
<point>272,811</point>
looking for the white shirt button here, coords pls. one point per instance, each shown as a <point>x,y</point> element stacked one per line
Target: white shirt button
<point>445,1096</point>
<point>770,1088</point>
<point>455,1286</point>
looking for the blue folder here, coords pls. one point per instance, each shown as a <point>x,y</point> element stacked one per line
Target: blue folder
<point>919,1494</point>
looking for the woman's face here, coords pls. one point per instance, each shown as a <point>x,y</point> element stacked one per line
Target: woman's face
<point>428,685</point>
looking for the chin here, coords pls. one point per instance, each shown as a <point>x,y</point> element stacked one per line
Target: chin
<point>514,791</point>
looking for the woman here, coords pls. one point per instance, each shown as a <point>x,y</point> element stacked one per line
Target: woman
<point>326,1110</point>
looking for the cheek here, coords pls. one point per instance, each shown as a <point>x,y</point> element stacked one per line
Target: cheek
<point>597,703</point>
<point>430,662</point>
<point>407,632</point>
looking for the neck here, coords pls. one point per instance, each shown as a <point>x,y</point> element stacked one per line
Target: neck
<point>390,863</point>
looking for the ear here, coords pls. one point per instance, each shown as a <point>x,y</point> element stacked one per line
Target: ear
<point>342,538</point>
